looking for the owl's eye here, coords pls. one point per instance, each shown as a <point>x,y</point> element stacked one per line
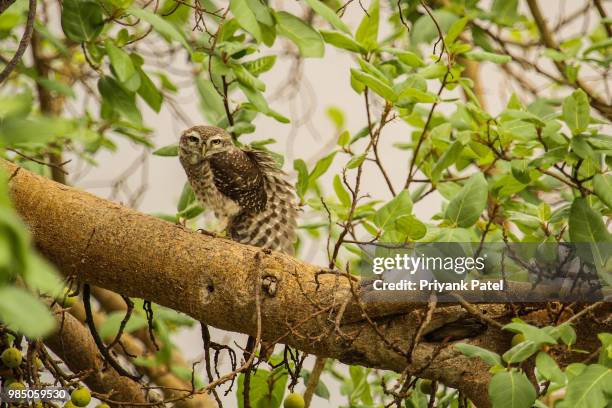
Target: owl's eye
<point>192,139</point>
<point>215,141</point>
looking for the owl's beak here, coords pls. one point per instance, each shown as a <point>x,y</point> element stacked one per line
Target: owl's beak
<point>203,150</point>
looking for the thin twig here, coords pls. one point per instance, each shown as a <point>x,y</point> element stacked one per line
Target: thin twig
<point>23,44</point>
<point>42,162</point>
<point>96,336</point>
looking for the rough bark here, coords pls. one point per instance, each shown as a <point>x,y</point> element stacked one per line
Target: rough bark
<point>73,343</point>
<point>214,280</point>
<point>139,343</point>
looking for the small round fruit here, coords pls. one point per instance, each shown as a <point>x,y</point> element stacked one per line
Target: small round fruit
<point>69,404</point>
<point>517,338</point>
<point>294,400</point>
<point>17,385</point>
<point>425,386</point>
<point>11,357</point>
<point>103,405</point>
<point>80,397</point>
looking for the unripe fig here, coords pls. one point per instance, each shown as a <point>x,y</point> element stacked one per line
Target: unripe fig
<point>294,400</point>
<point>80,397</point>
<point>11,357</point>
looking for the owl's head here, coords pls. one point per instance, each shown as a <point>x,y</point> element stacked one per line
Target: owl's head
<point>200,143</point>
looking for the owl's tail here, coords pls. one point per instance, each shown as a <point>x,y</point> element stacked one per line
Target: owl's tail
<point>273,228</point>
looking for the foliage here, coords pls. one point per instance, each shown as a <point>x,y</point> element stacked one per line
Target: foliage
<point>587,385</point>
<point>536,171</point>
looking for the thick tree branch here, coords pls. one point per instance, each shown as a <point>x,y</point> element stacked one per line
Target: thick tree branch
<point>75,346</point>
<point>216,280</point>
<point>172,386</point>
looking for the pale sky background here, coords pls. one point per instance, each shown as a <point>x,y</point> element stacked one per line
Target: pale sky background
<point>328,80</point>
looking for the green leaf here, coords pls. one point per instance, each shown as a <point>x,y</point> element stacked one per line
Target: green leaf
<point>40,275</point>
<point>417,95</point>
<point>599,46</point>
<point>576,111</point>
<point>210,100</point>
<point>602,186</point>
<point>266,389</point>
<point>341,192</point>
<point>407,57</point>
<point>248,79</point>
<point>344,138</point>
<point>511,389</point>
<point>121,63</point>
<point>321,390</point>
<point>23,312</point>
<point>567,333</point>
<point>56,86</point>
<point>302,184</point>
<point>531,333</point>
<point>340,40</point>
<point>262,13</point>
<point>246,18</point>
<point>367,32</point>
<point>167,151</point>
<point>505,11</point>
<point>149,92</point>
<point>193,210</point>
<point>487,56</point>
<point>424,30</point>
<point>320,168</point>
<point>582,148</point>
<point>448,159</point>
<point>485,355</point>
<point>308,40</point>
<point>400,205</point>
<point>455,29</point>
<point>374,84</point>
<point>260,65</point>
<point>520,170</point>
<point>336,115</point>
<point>406,227</point>
<point>592,388</point>
<point>586,225</point>
<point>465,209</point>
<point>120,100</point>
<point>605,355</point>
<point>187,197</point>
<point>520,352</point>
<point>329,15</point>
<point>82,20</point>
<point>163,27</point>
<point>110,327</point>
<point>258,100</point>
<point>548,368</point>
<point>355,161</point>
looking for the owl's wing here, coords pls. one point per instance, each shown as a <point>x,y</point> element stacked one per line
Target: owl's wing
<point>274,227</point>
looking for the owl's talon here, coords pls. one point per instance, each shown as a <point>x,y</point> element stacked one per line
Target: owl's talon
<point>209,233</point>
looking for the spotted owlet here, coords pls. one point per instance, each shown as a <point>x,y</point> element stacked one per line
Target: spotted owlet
<point>244,188</point>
